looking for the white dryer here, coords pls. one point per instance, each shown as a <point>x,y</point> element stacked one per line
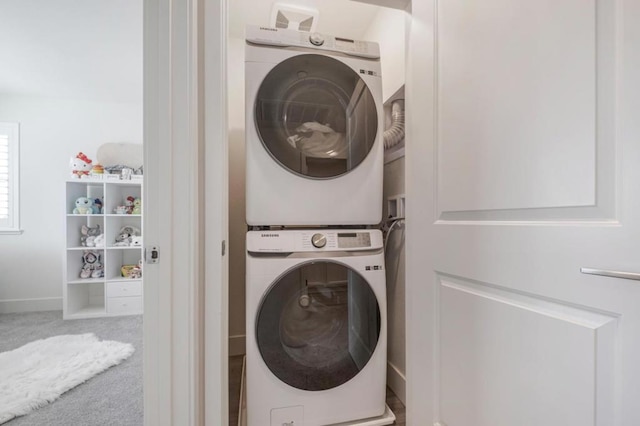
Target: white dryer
<point>314,129</point>
<point>316,327</point>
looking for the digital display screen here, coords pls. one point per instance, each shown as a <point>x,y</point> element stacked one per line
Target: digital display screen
<point>347,235</point>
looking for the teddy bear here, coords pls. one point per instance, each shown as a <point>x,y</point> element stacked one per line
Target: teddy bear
<point>89,235</point>
<point>84,205</point>
<point>80,166</point>
<point>136,241</point>
<point>92,266</point>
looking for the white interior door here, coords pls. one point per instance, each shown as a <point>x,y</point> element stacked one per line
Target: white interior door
<point>523,162</point>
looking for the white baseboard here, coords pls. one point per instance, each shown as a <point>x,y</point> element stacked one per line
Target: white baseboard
<point>397,382</point>
<point>237,345</point>
<point>30,305</point>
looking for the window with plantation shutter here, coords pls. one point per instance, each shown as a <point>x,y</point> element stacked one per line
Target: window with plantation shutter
<point>9,185</point>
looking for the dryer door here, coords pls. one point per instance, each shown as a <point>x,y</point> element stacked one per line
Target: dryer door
<point>315,116</point>
<point>318,325</point>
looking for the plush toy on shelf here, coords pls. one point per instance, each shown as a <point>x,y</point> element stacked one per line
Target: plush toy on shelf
<point>125,236</point>
<point>137,206</point>
<point>92,266</point>
<point>136,241</point>
<point>84,205</point>
<point>97,170</point>
<point>128,203</point>
<point>80,166</point>
<point>98,206</point>
<point>89,237</point>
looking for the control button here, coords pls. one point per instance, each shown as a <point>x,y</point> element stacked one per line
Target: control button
<point>318,240</point>
<point>316,39</point>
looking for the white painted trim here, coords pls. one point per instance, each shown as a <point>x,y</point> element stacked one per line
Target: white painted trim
<point>397,382</point>
<point>9,306</point>
<point>173,325</point>
<point>216,313</point>
<point>237,345</point>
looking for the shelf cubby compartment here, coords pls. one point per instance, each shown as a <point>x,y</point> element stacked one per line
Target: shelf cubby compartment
<point>116,222</point>
<point>79,189</point>
<point>74,228</point>
<point>85,300</point>
<point>117,258</point>
<point>117,193</point>
<point>75,263</point>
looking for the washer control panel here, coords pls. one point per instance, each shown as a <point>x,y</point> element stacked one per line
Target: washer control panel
<point>291,38</point>
<point>290,241</point>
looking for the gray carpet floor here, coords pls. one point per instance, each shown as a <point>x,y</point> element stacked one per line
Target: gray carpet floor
<point>112,398</point>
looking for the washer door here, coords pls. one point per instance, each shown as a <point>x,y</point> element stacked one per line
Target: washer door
<point>315,116</point>
<point>318,326</point>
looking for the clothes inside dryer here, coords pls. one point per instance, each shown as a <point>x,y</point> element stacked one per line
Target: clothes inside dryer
<point>318,326</point>
<point>316,116</point>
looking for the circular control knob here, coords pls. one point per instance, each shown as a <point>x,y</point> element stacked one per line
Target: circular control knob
<point>318,240</point>
<point>316,39</point>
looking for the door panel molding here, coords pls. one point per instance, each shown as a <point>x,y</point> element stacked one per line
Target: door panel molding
<point>588,190</point>
<point>493,343</point>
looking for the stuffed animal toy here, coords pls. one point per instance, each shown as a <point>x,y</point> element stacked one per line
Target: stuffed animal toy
<point>80,166</point>
<point>136,241</point>
<point>98,207</point>
<point>125,235</point>
<point>137,206</point>
<point>99,241</point>
<point>92,266</point>
<point>84,205</point>
<point>128,203</point>
<point>89,235</point>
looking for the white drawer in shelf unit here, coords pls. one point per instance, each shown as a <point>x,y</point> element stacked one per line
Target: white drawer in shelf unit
<point>124,288</point>
<point>124,305</point>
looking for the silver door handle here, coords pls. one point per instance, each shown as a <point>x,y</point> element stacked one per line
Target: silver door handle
<point>612,274</point>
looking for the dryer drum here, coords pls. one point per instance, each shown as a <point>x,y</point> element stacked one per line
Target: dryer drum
<point>316,116</point>
<point>318,326</point>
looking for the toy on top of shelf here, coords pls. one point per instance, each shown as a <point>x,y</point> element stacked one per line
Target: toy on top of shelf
<point>125,236</point>
<point>84,205</point>
<point>80,166</point>
<point>92,266</point>
<point>137,206</point>
<point>90,235</point>
<point>97,170</point>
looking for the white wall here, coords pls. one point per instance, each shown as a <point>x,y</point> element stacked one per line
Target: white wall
<point>51,131</point>
<point>388,29</point>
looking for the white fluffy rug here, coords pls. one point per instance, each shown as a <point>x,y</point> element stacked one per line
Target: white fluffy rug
<point>39,372</point>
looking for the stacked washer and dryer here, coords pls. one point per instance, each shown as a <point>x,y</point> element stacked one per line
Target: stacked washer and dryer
<point>316,291</point>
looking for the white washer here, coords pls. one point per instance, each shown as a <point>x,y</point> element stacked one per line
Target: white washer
<point>314,129</point>
<point>316,327</point>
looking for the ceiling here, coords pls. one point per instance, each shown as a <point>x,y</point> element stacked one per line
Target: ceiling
<point>337,17</point>
<point>80,49</point>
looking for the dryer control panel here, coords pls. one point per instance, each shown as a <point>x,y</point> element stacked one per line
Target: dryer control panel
<point>291,38</point>
<point>318,240</point>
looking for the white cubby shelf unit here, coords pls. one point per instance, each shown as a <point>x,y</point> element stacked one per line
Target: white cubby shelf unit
<point>112,294</point>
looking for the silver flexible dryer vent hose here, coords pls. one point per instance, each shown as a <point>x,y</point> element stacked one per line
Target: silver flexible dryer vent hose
<point>394,134</point>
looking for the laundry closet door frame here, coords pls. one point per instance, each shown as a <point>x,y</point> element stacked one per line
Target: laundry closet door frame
<point>185,149</point>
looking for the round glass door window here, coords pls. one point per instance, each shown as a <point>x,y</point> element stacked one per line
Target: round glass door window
<point>318,326</point>
<point>315,116</point>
